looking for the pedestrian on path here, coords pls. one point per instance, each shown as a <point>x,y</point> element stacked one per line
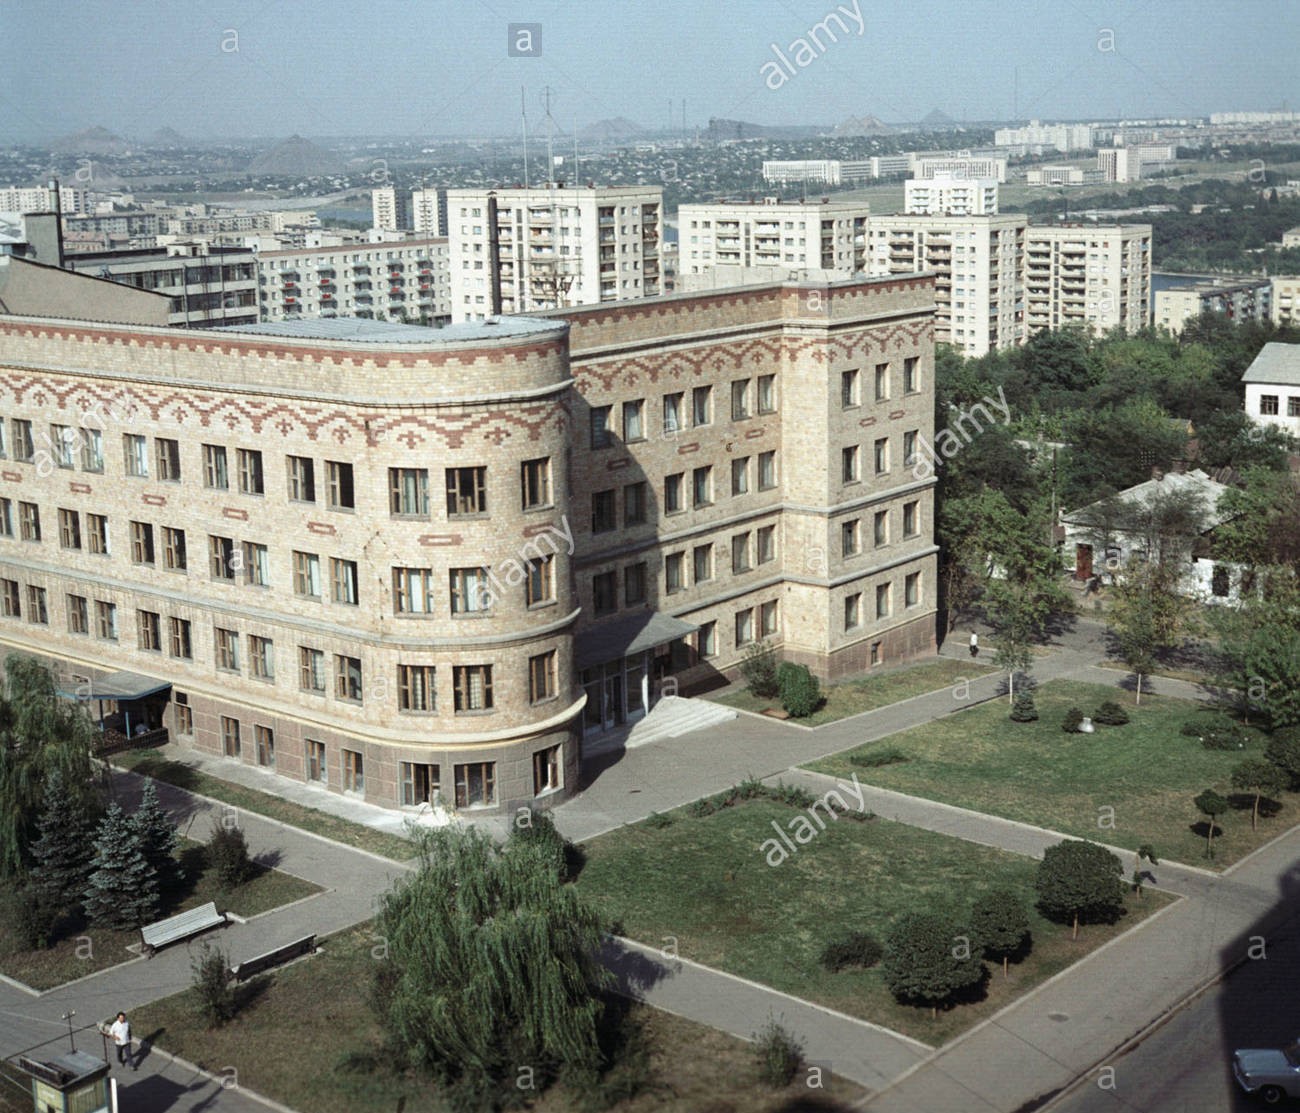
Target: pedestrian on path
<point>121,1033</point>
<point>974,644</point>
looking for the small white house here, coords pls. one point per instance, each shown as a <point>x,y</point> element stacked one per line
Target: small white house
<point>1100,539</point>
<point>1273,387</point>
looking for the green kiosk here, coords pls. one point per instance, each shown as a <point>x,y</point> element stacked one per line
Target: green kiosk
<point>72,1083</point>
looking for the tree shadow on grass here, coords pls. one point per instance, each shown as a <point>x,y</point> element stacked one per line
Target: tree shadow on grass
<point>1245,802</point>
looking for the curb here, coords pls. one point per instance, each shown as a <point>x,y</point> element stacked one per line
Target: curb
<point>220,1082</point>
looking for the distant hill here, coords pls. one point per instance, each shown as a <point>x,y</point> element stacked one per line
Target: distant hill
<point>722,129</point>
<point>936,120</point>
<point>92,141</point>
<point>295,157</point>
<point>612,131</point>
<point>857,126</point>
<point>167,137</point>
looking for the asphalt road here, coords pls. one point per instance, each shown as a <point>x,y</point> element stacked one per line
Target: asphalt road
<point>1184,1066</point>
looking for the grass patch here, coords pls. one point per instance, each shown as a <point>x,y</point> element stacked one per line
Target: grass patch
<point>871,692</point>
<point>81,949</point>
<point>1147,771</point>
<point>15,1090</point>
<point>706,882</point>
<point>149,764</point>
<point>321,1004</point>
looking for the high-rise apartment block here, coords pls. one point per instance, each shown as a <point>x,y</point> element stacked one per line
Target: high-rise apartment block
<point>1060,137</point>
<point>390,209</point>
<point>1246,299</point>
<point>1096,275</point>
<point>552,246</point>
<point>429,212</point>
<point>945,194</point>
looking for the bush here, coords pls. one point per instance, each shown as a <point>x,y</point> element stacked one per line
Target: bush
<point>1226,736</point>
<point>540,833</point>
<point>856,949</point>
<point>793,795</point>
<point>758,669</point>
<point>873,759</point>
<point>1110,714</point>
<point>1023,710</point>
<point>657,821</point>
<point>1072,721</point>
<point>800,692</point>
<point>227,854</point>
<point>30,911</point>
<point>211,983</point>
<point>779,1054</point>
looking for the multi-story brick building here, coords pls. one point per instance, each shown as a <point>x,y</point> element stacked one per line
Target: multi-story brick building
<point>393,561</point>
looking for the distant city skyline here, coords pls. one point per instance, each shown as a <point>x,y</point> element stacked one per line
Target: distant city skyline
<point>269,69</point>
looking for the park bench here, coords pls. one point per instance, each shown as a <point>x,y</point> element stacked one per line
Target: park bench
<point>184,925</point>
<point>259,964</point>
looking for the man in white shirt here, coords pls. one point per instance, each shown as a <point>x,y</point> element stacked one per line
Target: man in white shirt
<point>120,1030</point>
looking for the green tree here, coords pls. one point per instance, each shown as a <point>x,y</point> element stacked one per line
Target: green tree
<point>1283,750</point>
<point>1260,529</point>
<point>39,733</point>
<point>1211,805</point>
<point>65,844</point>
<point>928,959</point>
<point>1259,647</point>
<point>123,889</point>
<point>1078,880</point>
<point>210,979</point>
<point>1148,614</point>
<point>1000,923</point>
<point>1260,778</point>
<point>157,838</point>
<point>489,961</point>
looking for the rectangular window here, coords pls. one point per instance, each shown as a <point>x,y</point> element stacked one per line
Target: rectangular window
<point>227,648</point>
<point>472,687</point>
<point>546,770</point>
<point>706,640</point>
<point>215,474</point>
<point>766,544</point>
<point>135,449</point>
<point>541,677</point>
<point>301,471</point>
<point>343,581</point>
<point>413,590</point>
<point>408,492</point>
<point>62,438</point>
<point>230,745</point>
<point>877,653</point>
<point>740,476</point>
<point>702,486</point>
<point>850,538</point>
<point>766,470</point>
<point>740,553</point>
<point>251,479</point>
<point>634,504</point>
<point>420,782</point>
<point>601,416</point>
<point>673,492</point>
<point>10,601</point>
<point>173,549</point>
<point>853,611</point>
<point>849,468</point>
<point>6,513</point>
<point>604,592</point>
<point>911,375</point>
<point>29,521</point>
<point>69,529</point>
<point>221,557</point>
<point>909,448</point>
<point>92,450</point>
<point>149,631</point>
<point>257,564</point>
<point>167,452</point>
<point>535,479</point>
<point>306,575</point>
<point>882,601</point>
<point>106,620</point>
<point>634,584</point>
<point>36,611</point>
<point>912,589</point>
<point>347,677</point>
<point>882,382</point>
<point>767,394</point>
<point>354,771</point>
<point>466,491</point>
<point>24,444</point>
<point>470,593</point>
<point>739,399</point>
<point>340,491</point>
<point>634,421</point>
<point>673,420</point>
<point>1268,404</point>
<point>142,543</point>
<point>881,455</point>
<point>910,520</point>
<point>767,619</point>
<point>261,657</point>
<point>416,688</point>
<point>182,714</point>
<point>880,528</point>
<point>476,784</point>
<point>702,563</point>
<point>744,626</point>
<point>317,770</point>
<point>181,646</point>
<point>850,389</point>
<point>78,615</point>
<point>702,405</point>
<point>604,511</point>
<point>540,585</point>
<point>1293,406</point>
<point>97,534</point>
<point>311,669</point>
<point>673,566</point>
<point>264,738</point>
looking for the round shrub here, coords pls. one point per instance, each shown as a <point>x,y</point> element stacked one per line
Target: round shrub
<point>1073,719</point>
<point>800,691</point>
<point>779,1054</point>
<point>1024,710</point>
<point>1110,714</point>
<point>857,949</point>
<point>759,671</point>
<point>227,854</point>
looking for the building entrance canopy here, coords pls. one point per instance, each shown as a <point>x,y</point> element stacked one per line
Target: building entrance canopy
<point>121,685</point>
<point>628,636</point>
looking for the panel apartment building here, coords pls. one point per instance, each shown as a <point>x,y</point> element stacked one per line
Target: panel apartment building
<point>730,243</point>
<point>1095,275</point>
<point>403,564</point>
<point>399,280</point>
<point>552,246</point>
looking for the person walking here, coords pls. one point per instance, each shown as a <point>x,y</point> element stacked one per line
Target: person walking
<point>120,1030</point>
<point>974,644</point>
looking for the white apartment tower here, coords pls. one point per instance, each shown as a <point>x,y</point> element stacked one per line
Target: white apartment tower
<point>428,213</point>
<point>947,194</point>
<point>390,209</point>
<point>1097,275</point>
<point>551,247</point>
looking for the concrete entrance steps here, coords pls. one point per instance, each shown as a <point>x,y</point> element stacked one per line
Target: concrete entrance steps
<point>674,715</point>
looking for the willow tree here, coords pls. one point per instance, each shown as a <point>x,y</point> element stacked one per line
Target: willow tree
<point>40,734</point>
<point>488,967</point>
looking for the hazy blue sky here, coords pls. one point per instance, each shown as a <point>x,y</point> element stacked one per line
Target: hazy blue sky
<point>437,68</point>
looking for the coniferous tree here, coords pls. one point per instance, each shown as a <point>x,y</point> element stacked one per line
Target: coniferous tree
<point>123,890</point>
<point>157,837</point>
<point>64,846</point>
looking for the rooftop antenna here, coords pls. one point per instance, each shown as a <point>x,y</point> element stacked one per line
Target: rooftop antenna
<point>523,112</point>
<point>550,139</point>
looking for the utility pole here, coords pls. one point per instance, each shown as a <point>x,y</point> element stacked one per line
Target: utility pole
<point>68,1017</point>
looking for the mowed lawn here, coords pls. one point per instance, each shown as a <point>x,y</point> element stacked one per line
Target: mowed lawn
<point>875,690</point>
<point>1146,771</point>
<point>309,1040</point>
<point>702,886</point>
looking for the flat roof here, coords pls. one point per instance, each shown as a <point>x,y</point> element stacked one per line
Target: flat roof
<point>363,330</point>
<point>1276,363</point>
